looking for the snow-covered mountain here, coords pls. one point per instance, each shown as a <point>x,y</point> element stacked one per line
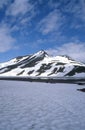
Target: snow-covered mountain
<point>41,64</point>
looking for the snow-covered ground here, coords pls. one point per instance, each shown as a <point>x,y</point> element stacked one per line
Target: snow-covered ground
<point>41,106</point>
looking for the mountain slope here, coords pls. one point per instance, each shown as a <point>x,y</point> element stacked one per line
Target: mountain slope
<point>41,64</point>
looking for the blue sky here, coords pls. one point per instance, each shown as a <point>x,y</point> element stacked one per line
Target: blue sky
<point>27,26</point>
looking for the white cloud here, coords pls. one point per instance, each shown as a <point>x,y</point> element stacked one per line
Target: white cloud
<point>19,7</point>
<point>6,40</point>
<point>51,22</point>
<point>74,50</point>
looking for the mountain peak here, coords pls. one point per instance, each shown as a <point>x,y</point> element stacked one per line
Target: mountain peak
<point>41,64</point>
<point>41,53</point>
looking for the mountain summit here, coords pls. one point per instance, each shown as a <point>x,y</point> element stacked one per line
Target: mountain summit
<point>42,65</point>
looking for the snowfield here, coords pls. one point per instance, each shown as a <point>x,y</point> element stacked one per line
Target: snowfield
<point>41,106</point>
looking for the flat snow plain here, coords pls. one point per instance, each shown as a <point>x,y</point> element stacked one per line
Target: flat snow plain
<point>41,106</point>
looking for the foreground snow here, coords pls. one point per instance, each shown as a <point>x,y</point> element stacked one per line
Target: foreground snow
<point>41,106</point>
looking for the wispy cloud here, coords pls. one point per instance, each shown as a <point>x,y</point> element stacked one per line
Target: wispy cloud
<point>6,40</point>
<point>74,50</point>
<point>17,17</point>
<point>21,13</point>
<point>74,9</point>
<point>19,7</point>
<point>51,22</point>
